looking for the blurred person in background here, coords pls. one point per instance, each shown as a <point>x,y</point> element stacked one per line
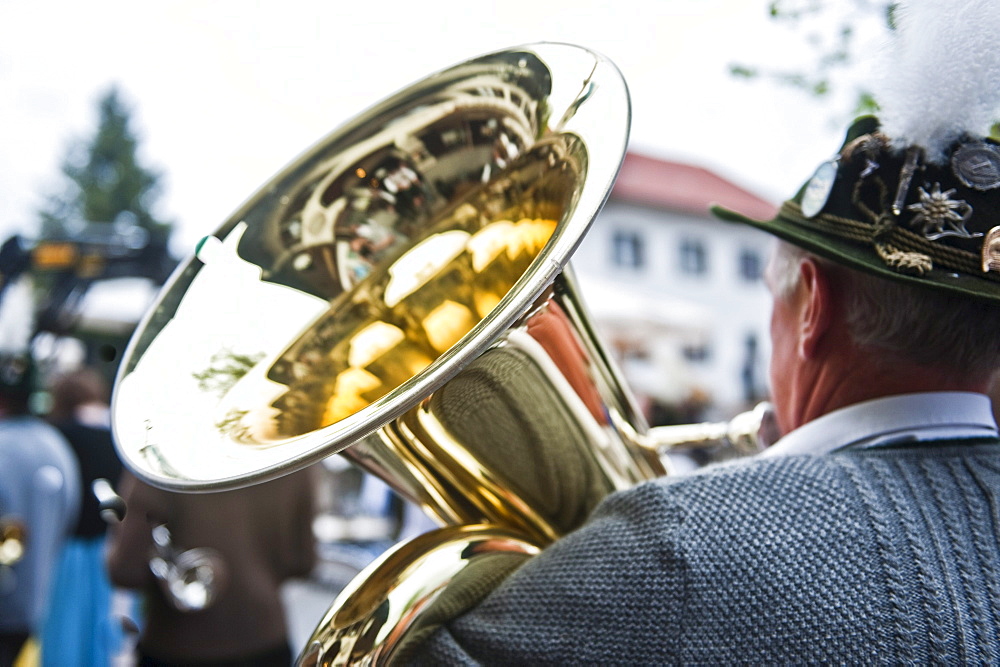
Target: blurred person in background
<point>39,492</point>
<point>79,628</point>
<point>251,540</point>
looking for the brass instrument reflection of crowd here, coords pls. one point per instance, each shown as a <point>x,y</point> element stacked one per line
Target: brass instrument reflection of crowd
<point>471,173</point>
<point>411,293</point>
<point>432,297</point>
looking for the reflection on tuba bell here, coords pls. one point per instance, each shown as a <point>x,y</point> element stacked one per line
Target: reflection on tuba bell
<point>401,294</point>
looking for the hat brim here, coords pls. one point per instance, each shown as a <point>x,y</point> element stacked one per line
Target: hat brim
<point>862,257</point>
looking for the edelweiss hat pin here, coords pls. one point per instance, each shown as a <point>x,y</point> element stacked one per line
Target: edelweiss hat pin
<point>914,195</point>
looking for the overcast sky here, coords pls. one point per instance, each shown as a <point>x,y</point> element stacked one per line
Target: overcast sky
<point>225,93</point>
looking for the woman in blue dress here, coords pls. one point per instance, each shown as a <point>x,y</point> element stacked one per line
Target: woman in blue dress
<point>81,628</point>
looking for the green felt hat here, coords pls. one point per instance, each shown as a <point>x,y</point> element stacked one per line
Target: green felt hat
<point>891,211</point>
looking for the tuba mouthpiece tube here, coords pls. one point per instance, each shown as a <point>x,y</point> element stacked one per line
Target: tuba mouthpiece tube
<point>747,433</point>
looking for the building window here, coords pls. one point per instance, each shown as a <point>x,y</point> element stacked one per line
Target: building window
<point>694,257</point>
<point>697,352</point>
<point>628,249</point>
<point>751,366</point>
<point>751,265</point>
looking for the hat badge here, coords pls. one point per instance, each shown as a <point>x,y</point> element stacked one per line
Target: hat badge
<point>818,189</point>
<point>941,215</point>
<point>977,165</point>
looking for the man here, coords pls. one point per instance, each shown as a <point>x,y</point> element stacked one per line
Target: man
<point>258,538</point>
<point>870,532</point>
<point>39,491</point>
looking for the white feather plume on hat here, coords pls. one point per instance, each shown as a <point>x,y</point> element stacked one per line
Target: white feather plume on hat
<point>940,76</point>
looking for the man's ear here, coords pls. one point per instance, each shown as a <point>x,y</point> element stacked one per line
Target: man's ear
<point>816,316</point>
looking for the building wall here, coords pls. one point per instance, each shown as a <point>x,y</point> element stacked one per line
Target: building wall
<point>698,282</point>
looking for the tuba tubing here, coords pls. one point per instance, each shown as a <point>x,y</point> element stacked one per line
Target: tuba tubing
<point>373,620</point>
<point>747,433</point>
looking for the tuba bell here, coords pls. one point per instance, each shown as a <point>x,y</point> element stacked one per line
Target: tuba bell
<point>401,294</point>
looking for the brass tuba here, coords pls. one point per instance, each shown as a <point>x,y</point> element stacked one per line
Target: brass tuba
<point>401,294</point>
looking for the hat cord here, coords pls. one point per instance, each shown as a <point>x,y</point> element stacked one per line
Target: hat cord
<point>883,225</point>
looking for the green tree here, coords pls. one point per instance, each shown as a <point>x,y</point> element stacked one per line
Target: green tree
<point>105,182</point>
<point>832,29</point>
<point>834,32</point>
<point>100,225</point>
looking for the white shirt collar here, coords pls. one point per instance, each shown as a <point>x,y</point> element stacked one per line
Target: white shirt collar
<point>924,416</point>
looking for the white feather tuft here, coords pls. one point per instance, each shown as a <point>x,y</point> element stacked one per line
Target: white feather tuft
<point>941,74</point>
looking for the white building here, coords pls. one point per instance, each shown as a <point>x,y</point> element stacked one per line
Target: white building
<point>677,294</point>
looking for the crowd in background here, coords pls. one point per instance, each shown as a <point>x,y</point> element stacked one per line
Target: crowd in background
<point>147,576</point>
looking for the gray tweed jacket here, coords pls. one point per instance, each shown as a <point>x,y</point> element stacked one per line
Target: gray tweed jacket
<point>857,557</point>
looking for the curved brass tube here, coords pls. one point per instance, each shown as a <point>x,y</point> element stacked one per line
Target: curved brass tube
<point>747,433</point>
<point>369,620</point>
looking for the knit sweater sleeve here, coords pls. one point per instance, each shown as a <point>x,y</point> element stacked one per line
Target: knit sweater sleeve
<point>594,577</point>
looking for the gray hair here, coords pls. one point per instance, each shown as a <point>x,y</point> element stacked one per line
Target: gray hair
<point>922,326</point>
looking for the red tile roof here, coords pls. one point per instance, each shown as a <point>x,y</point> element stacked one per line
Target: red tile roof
<point>683,187</point>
